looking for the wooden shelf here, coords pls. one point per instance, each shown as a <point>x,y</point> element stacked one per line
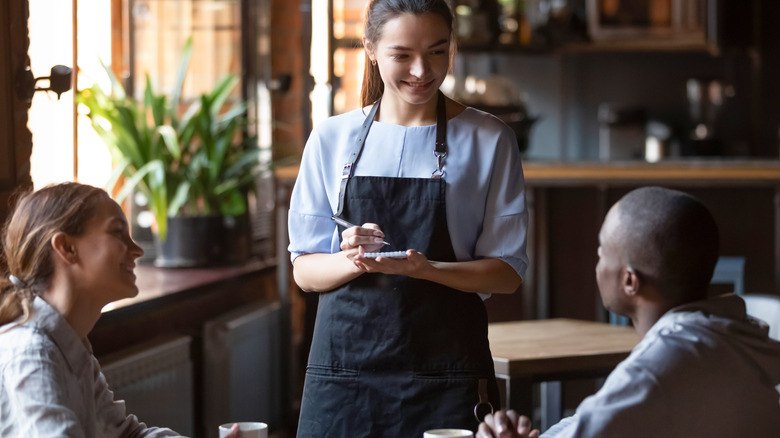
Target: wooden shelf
<point>158,283</point>
<point>669,45</point>
<point>639,46</point>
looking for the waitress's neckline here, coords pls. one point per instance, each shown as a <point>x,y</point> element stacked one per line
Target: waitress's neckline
<point>432,125</point>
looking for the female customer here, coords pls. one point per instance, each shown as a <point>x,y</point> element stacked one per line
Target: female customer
<point>69,253</point>
<point>400,344</point>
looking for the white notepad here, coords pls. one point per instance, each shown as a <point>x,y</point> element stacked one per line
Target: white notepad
<point>391,254</point>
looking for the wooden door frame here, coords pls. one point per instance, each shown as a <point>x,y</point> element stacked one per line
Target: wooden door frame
<point>16,139</point>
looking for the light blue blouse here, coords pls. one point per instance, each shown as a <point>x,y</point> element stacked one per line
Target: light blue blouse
<point>486,211</point>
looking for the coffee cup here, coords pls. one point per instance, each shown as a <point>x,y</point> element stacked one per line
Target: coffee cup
<point>451,433</point>
<point>249,429</point>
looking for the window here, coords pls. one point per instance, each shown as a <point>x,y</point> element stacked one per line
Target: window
<point>51,120</point>
<point>155,35</point>
<point>136,37</point>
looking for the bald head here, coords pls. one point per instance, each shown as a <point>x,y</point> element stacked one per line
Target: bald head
<point>670,238</point>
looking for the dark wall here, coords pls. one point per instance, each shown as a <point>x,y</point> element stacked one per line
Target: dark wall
<point>769,102</point>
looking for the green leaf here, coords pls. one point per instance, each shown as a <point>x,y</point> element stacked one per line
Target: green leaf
<point>221,146</point>
<point>221,93</point>
<point>134,179</point>
<point>179,198</point>
<point>116,87</point>
<point>116,173</point>
<point>155,103</point>
<point>181,73</point>
<point>168,135</point>
<point>233,205</point>
<point>238,112</point>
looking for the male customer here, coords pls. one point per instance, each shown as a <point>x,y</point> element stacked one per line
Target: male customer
<point>703,367</point>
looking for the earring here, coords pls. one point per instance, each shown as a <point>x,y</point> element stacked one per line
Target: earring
<point>373,62</point>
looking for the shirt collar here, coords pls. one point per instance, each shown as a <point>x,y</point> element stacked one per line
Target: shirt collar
<point>76,351</point>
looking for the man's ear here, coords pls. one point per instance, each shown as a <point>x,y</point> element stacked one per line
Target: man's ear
<point>630,282</point>
<point>63,247</point>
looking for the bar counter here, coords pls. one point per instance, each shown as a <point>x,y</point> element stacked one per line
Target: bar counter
<point>697,172</point>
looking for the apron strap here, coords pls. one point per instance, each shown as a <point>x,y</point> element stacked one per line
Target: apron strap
<point>440,150</point>
<point>484,406</point>
<point>349,168</point>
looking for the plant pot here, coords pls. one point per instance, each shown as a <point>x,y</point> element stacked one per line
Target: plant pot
<point>195,241</point>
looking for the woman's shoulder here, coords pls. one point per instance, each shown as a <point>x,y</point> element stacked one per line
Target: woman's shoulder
<point>25,338</point>
<point>481,119</point>
<point>484,128</point>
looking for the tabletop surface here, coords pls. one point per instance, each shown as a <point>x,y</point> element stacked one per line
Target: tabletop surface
<point>550,346</point>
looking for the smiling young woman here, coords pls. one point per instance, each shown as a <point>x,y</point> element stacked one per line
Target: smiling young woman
<point>69,253</point>
<point>400,344</point>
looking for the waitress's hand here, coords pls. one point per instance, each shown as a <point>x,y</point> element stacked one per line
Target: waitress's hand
<point>368,236</point>
<point>411,266</point>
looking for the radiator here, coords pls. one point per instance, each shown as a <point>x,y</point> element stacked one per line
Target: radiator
<point>245,368</point>
<point>155,381</point>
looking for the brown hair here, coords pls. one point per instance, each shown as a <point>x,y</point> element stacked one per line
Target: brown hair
<point>27,235</point>
<point>379,12</point>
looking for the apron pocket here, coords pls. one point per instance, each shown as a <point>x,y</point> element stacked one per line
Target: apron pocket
<point>450,374</point>
<point>445,399</point>
<point>331,371</point>
<point>339,403</point>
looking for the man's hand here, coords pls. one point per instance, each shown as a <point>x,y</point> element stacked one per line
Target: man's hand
<point>506,425</point>
<point>234,432</point>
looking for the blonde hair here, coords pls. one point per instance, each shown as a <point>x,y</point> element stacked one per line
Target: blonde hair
<point>27,235</point>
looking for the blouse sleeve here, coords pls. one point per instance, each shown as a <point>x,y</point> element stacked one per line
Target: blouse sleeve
<point>112,414</point>
<point>505,223</point>
<point>309,225</point>
<point>38,402</point>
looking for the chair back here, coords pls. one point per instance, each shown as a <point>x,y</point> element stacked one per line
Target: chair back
<point>765,308</point>
<point>730,270</point>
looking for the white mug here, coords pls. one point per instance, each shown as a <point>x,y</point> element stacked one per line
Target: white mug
<point>453,433</point>
<point>249,429</point>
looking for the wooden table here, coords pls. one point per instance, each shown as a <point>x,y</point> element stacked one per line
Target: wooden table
<point>551,350</point>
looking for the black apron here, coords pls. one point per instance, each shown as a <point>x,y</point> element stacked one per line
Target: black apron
<point>394,356</point>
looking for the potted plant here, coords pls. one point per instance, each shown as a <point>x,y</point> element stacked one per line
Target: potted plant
<point>195,168</point>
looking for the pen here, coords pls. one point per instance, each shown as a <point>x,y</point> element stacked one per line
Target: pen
<point>346,224</point>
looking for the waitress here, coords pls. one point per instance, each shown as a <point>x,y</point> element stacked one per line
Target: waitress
<point>400,344</point>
